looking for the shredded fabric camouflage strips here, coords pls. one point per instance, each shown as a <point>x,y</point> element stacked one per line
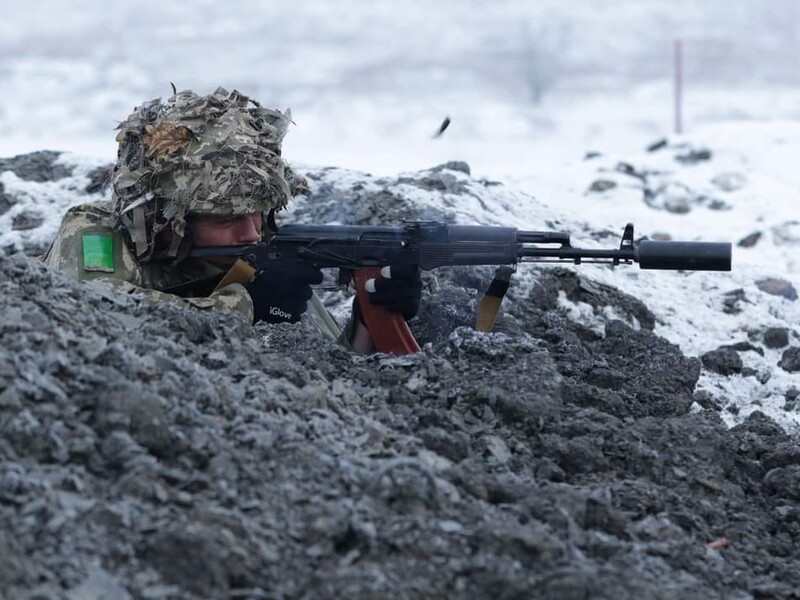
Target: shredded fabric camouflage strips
<point>196,155</point>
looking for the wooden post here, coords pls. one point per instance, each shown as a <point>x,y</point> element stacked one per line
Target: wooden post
<point>678,87</point>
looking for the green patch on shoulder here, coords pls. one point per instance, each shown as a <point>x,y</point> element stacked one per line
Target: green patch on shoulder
<point>98,252</point>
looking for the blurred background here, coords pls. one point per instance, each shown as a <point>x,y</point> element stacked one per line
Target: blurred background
<point>526,84</point>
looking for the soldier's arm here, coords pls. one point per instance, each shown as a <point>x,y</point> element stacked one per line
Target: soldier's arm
<point>232,298</point>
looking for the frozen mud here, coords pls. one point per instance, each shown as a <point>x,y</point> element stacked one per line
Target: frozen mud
<point>157,452</point>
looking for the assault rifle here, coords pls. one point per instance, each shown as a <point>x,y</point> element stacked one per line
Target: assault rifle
<point>360,251</point>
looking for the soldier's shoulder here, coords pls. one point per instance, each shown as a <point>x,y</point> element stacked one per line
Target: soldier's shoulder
<point>96,213</point>
<point>87,246</point>
<point>85,217</point>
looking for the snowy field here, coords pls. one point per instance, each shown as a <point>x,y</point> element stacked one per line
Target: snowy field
<point>530,91</point>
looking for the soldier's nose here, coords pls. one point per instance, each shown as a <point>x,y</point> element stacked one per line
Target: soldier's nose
<point>247,230</point>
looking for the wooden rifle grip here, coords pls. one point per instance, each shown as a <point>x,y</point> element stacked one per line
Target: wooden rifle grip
<point>240,272</point>
<point>389,331</point>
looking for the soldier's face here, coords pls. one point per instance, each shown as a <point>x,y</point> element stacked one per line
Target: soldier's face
<point>226,231</point>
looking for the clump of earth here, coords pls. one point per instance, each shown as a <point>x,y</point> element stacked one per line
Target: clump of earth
<point>160,452</point>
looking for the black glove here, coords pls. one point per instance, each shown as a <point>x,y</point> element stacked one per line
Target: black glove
<point>398,290</point>
<point>281,294</point>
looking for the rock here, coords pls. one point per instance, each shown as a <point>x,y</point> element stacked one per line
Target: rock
<point>677,205</point>
<point>673,197</point>
<point>746,347</point>
<point>489,183</point>
<point>447,309</point>
<point>715,203</point>
<point>628,169</point>
<point>750,372</point>
<point>602,185</point>
<point>26,220</point>
<point>216,559</point>
<point>440,181</point>
<point>729,182</point>
<point>749,240</point>
<point>657,145</point>
<point>164,592</point>
<point>36,166</point>
<point>452,445</point>
<point>707,400</point>
<point>777,287</point>
<point>776,337</point>
<point>592,154</point>
<point>786,234</point>
<point>120,450</point>
<point>791,397</point>
<point>732,301</point>
<point>459,166</point>
<point>579,289</point>
<point>725,361</point>
<point>604,378</point>
<point>497,449</point>
<point>782,454</point>
<point>694,156</point>
<point>99,585</point>
<point>100,179</point>
<point>790,360</point>
<point>784,482</point>
<point>6,201</point>
<point>763,376</point>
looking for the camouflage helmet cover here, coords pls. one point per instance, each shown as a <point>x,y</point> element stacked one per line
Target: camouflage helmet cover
<point>196,155</point>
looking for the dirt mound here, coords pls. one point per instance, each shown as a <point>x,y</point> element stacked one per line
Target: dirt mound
<point>158,452</point>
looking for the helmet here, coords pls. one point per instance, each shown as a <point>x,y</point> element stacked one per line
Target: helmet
<point>196,155</point>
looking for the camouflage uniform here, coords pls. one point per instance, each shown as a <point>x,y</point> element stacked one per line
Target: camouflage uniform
<point>89,248</point>
<point>191,155</point>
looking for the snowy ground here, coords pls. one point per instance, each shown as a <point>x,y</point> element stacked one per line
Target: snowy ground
<point>755,156</point>
<point>369,83</point>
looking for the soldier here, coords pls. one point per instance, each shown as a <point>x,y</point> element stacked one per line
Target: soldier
<point>205,171</point>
